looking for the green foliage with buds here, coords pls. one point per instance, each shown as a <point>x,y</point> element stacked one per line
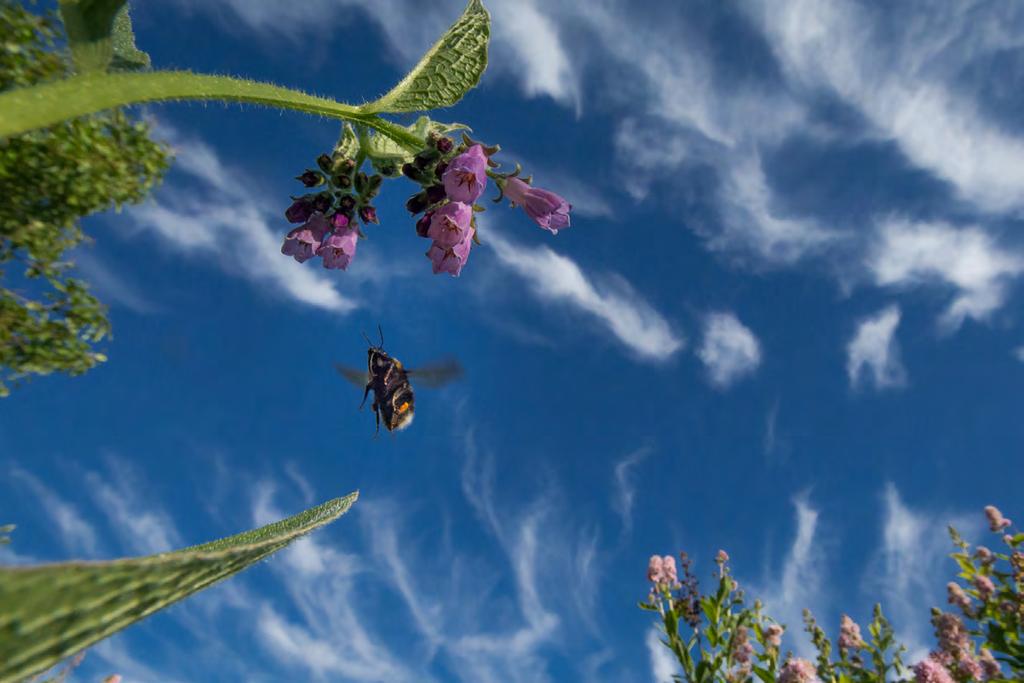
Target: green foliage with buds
<point>50,612</point>
<point>49,180</point>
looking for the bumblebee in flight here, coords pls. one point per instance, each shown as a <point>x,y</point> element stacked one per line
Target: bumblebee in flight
<point>394,403</point>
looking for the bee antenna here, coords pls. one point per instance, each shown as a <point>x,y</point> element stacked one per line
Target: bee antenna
<point>381,333</point>
<point>368,342</point>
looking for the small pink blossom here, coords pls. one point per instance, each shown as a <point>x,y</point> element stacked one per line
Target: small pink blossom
<point>984,555</point>
<point>990,667</point>
<point>797,671</point>
<point>849,634</point>
<point>996,521</point>
<point>656,569</point>
<point>721,557</point>
<point>930,671</point>
<point>985,586</point>
<point>466,176</point>
<point>958,597</point>
<point>451,224</point>
<point>742,649</point>
<point>302,242</point>
<point>668,564</point>
<point>773,636</point>
<point>450,259</point>
<point>547,209</point>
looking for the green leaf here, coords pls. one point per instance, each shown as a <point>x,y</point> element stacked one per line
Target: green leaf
<point>40,106</point>
<point>51,611</point>
<point>764,674</point>
<point>126,56</point>
<point>383,148</point>
<point>89,24</point>
<point>447,71</point>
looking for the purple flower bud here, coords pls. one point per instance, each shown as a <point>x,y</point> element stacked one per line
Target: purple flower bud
<point>302,242</point>
<point>416,203</point>
<point>310,178</point>
<point>368,214</point>
<point>452,259</point>
<point>435,194</point>
<point>450,224</point>
<point>423,224</point>
<point>440,169</point>
<point>466,176</point>
<point>322,203</point>
<point>300,211</point>
<point>444,145</point>
<point>547,209</point>
<point>347,203</point>
<point>339,221</point>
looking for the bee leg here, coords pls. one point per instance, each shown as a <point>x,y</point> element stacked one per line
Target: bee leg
<point>366,392</point>
<point>376,412</point>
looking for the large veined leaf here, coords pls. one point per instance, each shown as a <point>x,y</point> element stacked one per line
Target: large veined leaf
<point>51,611</point>
<point>447,71</point>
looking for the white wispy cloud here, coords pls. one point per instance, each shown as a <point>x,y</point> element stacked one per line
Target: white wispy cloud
<point>556,278</point>
<point>730,351</point>
<point>223,218</point>
<point>109,285</point>
<point>625,486</point>
<point>967,260</point>
<point>873,348</point>
<point>142,524</point>
<point>1018,353</point>
<point>802,581</point>
<point>899,68</point>
<point>911,567</point>
<point>663,663</point>
<point>77,535</point>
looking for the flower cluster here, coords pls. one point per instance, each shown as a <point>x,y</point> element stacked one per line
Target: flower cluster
<point>330,218</point>
<point>974,648</point>
<point>452,177</point>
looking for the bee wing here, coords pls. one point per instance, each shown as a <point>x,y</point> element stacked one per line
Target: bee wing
<point>357,377</point>
<point>438,374</point>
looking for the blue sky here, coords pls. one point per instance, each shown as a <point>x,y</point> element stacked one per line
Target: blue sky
<point>784,323</point>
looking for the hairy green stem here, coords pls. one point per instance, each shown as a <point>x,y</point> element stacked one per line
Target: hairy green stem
<point>26,109</point>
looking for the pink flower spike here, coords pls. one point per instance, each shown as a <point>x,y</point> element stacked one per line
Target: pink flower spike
<point>996,521</point>
<point>466,176</point>
<point>547,209</point>
<point>930,671</point>
<point>797,671</point>
<point>985,587</point>
<point>655,569</point>
<point>668,564</point>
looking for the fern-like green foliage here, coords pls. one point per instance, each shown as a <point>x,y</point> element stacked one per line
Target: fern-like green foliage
<point>49,612</point>
<point>451,68</point>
